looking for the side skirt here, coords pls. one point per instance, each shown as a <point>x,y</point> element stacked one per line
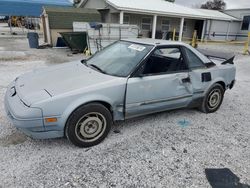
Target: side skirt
<point>196,102</point>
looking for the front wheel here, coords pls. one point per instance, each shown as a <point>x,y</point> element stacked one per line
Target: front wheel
<point>213,99</point>
<point>88,125</point>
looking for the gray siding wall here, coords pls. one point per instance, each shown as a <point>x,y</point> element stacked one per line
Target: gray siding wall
<point>114,18</point>
<point>219,30</point>
<point>240,13</point>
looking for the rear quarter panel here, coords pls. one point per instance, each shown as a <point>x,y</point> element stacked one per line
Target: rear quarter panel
<point>223,73</point>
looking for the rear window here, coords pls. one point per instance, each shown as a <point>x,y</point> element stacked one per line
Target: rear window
<point>193,60</point>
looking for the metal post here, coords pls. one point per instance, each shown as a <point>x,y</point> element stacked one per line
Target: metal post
<point>228,29</point>
<point>120,33</point>
<point>246,48</point>
<point>154,26</point>
<point>194,39</point>
<point>10,24</point>
<point>181,29</point>
<point>174,33</point>
<point>28,24</point>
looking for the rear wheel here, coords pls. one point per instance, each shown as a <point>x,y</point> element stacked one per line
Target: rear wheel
<point>213,99</point>
<point>88,125</point>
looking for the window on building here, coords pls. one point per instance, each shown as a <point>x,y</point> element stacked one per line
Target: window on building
<point>146,24</point>
<point>245,23</point>
<point>126,19</point>
<point>184,27</point>
<point>165,25</point>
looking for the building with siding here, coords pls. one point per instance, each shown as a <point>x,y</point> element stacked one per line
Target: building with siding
<point>60,19</point>
<point>240,32</point>
<point>158,17</point>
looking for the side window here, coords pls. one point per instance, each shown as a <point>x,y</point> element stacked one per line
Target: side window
<point>165,60</point>
<point>193,60</point>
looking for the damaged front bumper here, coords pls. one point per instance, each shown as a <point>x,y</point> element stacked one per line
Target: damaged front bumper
<point>28,120</point>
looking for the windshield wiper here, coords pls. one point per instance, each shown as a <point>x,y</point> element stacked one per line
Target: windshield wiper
<point>97,68</point>
<point>92,65</point>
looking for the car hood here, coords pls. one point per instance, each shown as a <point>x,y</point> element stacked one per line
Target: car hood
<point>45,83</point>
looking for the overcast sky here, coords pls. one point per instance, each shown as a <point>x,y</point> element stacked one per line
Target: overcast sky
<point>230,3</point>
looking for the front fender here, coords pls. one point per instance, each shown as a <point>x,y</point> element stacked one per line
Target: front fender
<point>84,100</point>
<point>116,107</point>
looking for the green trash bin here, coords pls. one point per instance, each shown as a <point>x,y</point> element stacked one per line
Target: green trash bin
<point>76,41</point>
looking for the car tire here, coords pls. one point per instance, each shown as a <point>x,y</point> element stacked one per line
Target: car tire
<point>213,99</point>
<point>88,125</point>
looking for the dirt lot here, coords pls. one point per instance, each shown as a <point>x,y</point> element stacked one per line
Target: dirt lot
<point>152,151</point>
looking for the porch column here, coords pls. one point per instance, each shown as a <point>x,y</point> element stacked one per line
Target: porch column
<point>204,30</point>
<point>181,28</point>
<point>209,31</point>
<point>121,17</point>
<point>47,29</point>
<point>228,29</point>
<point>154,26</point>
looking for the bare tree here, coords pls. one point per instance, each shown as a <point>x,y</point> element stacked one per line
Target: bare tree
<point>214,5</point>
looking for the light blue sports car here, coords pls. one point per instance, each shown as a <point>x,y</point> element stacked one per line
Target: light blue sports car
<point>130,78</point>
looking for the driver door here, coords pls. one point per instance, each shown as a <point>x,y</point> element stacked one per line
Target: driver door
<point>162,83</point>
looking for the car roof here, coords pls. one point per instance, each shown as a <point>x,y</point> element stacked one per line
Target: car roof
<point>154,42</point>
<point>157,42</point>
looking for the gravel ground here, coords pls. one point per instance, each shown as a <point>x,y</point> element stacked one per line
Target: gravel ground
<point>151,151</point>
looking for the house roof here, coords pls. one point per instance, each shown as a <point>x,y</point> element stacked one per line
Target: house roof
<point>162,7</point>
<point>217,14</point>
<point>62,9</point>
<point>63,17</point>
<point>237,9</point>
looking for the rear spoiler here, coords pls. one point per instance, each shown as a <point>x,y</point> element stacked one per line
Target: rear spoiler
<point>229,61</point>
<point>225,57</point>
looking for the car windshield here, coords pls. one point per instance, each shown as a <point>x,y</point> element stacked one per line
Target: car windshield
<point>119,59</point>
